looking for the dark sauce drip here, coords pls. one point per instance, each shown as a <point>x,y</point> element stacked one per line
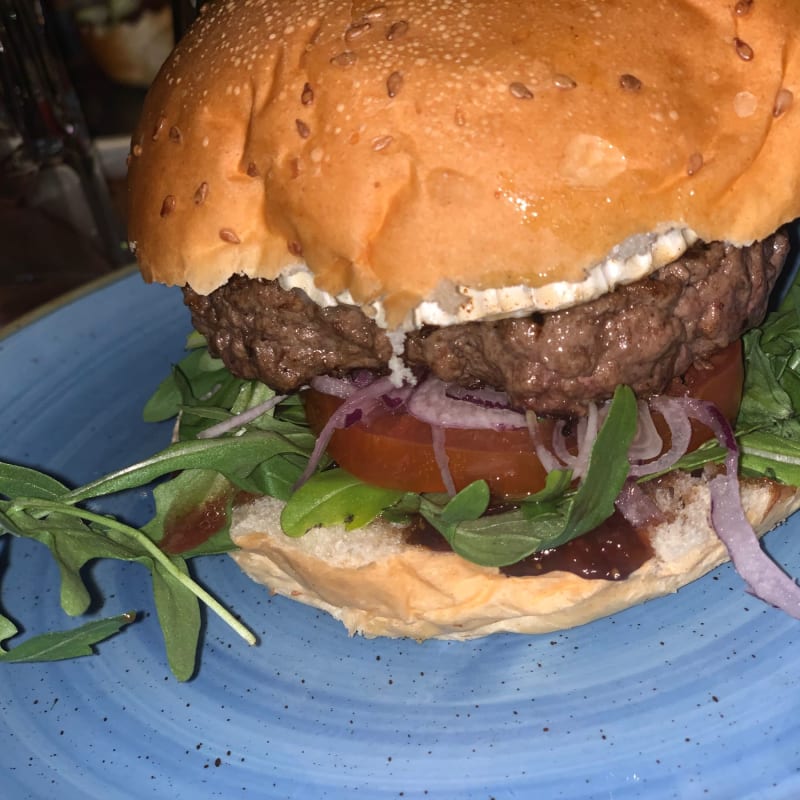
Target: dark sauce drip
<point>190,529</point>
<point>610,552</point>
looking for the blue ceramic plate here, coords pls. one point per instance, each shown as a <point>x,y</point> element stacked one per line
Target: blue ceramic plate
<point>691,696</point>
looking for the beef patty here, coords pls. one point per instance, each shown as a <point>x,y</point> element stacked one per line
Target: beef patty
<point>642,334</point>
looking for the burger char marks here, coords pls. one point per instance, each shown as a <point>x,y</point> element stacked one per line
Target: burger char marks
<point>642,335</point>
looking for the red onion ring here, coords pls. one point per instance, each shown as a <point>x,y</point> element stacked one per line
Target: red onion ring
<point>442,459</point>
<point>762,576</point>
<point>430,403</point>
<point>674,413</point>
<point>545,456</point>
<point>364,401</point>
<point>647,442</point>
<point>335,387</point>
<point>238,420</point>
<point>588,428</point>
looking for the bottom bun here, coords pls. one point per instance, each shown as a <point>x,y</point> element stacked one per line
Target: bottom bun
<point>377,584</point>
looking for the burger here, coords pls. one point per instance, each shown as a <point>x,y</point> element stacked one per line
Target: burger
<point>499,259</point>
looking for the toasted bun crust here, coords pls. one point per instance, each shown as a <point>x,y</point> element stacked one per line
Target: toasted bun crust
<point>379,586</point>
<point>495,143</point>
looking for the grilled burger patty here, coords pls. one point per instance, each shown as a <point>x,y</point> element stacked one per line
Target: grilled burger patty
<point>642,334</point>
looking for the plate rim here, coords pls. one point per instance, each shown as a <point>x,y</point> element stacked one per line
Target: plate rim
<point>54,304</point>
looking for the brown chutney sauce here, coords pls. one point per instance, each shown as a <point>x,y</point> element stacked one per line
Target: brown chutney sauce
<point>610,552</point>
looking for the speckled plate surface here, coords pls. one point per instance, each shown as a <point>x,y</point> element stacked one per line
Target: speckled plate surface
<point>691,696</point>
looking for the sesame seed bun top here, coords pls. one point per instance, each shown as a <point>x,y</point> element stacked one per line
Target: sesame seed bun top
<point>392,146</point>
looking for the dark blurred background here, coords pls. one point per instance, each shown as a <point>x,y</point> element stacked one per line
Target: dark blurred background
<point>73,77</point>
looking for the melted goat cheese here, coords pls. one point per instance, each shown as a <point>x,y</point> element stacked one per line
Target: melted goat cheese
<point>630,261</point>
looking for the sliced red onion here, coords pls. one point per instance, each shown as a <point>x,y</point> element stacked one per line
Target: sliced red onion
<point>586,433</point>
<point>675,414</point>
<point>636,505</point>
<point>588,428</point>
<point>545,456</point>
<point>238,420</point>
<point>442,460</point>
<point>430,403</point>
<point>647,442</point>
<point>763,577</point>
<point>336,387</point>
<point>361,401</point>
<point>709,415</point>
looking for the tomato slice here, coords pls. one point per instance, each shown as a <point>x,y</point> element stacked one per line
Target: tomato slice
<point>394,450</point>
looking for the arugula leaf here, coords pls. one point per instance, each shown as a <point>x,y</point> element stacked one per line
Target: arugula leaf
<point>277,476</point>
<point>402,512</point>
<point>334,497</point>
<point>470,503</point>
<point>195,376</point>
<point>771,399</point>
<point>765,454</point>
<point>76,536</point>
<point>57,646</point>
<point>608,467</point>
<point>556,514</point>
<point>499,539</point>
<point>16,481</point>
<point>179,616</point>
<point>72,544</point>
<point>233,457</point>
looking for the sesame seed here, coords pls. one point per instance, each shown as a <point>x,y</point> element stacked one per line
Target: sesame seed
<point>397,30</point>
<point>564,82</point>
<point>394,83</point>
<point>356,30</point>
<point>201,194</point>
<point>630,83</point>
<point>307,95</point>
<point>743,50</point>
<point>159,127</point>
<point>695,164</point>
<point>783,102</point>
<point>252,170</point>
<point>743,8</point>
<point>227,235</point>
<point>137,150</point>
<point>175,134</point>
<point>520,91</point>
<point>459,118</point>
<point>344,59</point>
<point>168,206</point>
<point>376,12</point>
<point>302,129</point>
<point>381,142</point>
<point>128,160</point>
